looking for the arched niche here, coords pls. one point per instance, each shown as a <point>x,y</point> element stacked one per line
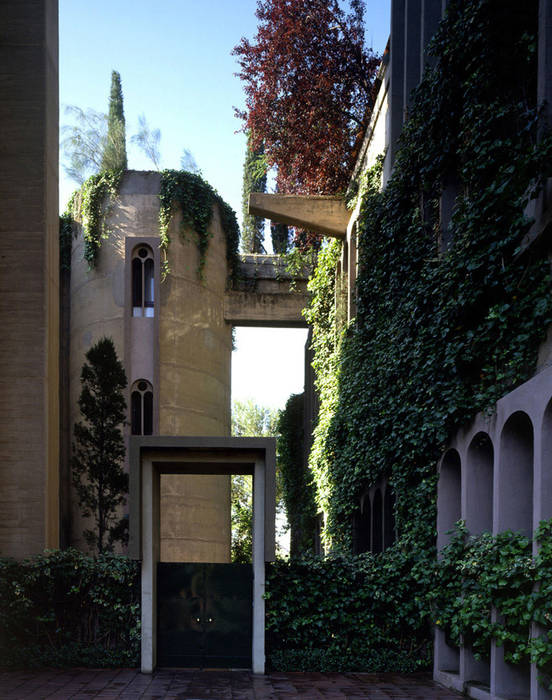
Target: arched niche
<point>545,485</point>
<point>377,523</point>
<point>479,485</point>
<point>449,496</point>
<point>388,517</point>
<point>515,482</point>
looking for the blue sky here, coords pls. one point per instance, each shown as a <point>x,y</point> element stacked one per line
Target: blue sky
<point>176,68</point>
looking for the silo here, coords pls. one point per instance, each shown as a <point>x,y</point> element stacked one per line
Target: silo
<point>174,344</point>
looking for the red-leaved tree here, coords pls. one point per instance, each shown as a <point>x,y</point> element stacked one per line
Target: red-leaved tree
<point>308,82</point>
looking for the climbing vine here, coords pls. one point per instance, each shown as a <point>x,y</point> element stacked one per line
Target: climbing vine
<point>450,314</point>
<point>478,574</point>
<point>95,202</point>
<point>196,199</point>
<point>297,489</point>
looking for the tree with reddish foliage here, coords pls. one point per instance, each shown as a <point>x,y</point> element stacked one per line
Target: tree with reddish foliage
<point>309,89</point>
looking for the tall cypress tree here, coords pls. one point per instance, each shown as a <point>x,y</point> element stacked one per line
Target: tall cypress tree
<point>115,155</point>
<point>99,448</point>
<point>254,180</point>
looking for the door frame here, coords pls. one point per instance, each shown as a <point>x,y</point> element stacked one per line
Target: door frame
<point>151,456</point>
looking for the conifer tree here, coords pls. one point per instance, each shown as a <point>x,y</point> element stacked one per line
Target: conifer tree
<point>115,155</point>
<point>254,180</point>
<point>99,448</point>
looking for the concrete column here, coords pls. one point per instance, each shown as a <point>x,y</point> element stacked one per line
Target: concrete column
<point>150,557</point>
<point>412,50</point>
<point>29,277</point>
<point>432,11</point>
<point>258,652</point>
<point>396,83</point>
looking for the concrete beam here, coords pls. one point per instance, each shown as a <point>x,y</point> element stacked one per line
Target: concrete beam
<point>321,214</point>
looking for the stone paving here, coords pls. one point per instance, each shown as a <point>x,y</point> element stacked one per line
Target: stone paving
<point>81,684</point>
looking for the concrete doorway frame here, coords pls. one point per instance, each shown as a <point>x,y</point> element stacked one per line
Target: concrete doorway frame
<point>155,455</point>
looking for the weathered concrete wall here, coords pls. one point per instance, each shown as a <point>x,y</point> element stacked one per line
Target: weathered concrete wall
<point>184,351</point>
<point>29,277</point>
<point>266,294</point>
<point>195,345</point>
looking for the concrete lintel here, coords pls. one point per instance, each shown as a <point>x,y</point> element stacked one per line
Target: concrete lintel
<point>322,214</point>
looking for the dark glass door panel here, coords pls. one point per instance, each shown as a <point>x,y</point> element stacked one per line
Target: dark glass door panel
<point>204,615</point>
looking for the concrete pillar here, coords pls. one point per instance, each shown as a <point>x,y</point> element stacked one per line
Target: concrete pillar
<point>29,277</point>
<point>432,11</point>
<point>412,50</point>
<point>258,651</point>
<point>396,84</point>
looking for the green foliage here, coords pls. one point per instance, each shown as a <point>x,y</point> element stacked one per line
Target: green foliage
<point>64,608</point>
<point>438,336</point>
<point>99,448</point>
<point>297,489</point>
<point>441,332</point>
<point>348,613</point>
<point>92,208</point>
<point>254,180</point>
<point>279,234</point>
<point>248,420</point>
<point>114,156</point>
<point>196,199</point>
<point>477,574</point>
<point>66,234</point>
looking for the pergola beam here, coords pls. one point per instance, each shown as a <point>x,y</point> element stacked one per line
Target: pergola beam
<point>320,214</point>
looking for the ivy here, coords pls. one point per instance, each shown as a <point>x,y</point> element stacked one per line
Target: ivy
<point>196,199</point>
<point>66,234</point>
<point>442,331</point>
<point>347,613</point>
<point>63,608</point>
<point>297,489</point>
<point>478,574</point>
<point>95,200</point>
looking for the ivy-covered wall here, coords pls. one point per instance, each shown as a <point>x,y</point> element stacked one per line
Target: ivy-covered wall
<point>450,314</point>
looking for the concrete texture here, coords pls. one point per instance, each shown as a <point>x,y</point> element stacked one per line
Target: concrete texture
<point>496,475</point>
<point>183,351</point>
<point>29,278</point>
<point>266,294</point>
<point>151,458</point>
<point>78,684</point>
<point>321,214</point>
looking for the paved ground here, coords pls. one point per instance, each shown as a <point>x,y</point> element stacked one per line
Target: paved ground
<point>78,684</point>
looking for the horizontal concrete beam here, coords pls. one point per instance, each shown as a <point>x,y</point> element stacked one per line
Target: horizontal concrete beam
<point>264,309</point>
<point>321,214</point>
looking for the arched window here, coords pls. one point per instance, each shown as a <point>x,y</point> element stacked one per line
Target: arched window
<point>388,517</point>
<point>141,408</point>
<point>142,281</point>
<point>377,528</point>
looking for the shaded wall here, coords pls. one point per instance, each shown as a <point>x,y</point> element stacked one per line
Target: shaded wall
<point>29,277</point>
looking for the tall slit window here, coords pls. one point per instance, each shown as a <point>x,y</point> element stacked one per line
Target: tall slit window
<point>143,281</point>
<point>141,408</point>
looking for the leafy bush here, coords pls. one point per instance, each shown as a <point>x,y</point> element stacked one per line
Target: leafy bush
<point>64,608</point>
<point>350,613</point>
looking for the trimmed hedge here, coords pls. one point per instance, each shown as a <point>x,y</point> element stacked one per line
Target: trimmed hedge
<point>64,608</point>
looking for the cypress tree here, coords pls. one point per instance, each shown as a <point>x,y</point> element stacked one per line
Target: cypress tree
<point>115,155</point>
<point>99,448</point>
<point>254,180</point>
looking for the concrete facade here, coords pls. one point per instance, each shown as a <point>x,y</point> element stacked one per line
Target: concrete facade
<point>29,277</point>
<point>153,457</point>
<point>182,351</point>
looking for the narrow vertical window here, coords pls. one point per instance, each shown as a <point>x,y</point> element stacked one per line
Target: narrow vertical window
<point>143,282</point>
<point>141,408</point>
